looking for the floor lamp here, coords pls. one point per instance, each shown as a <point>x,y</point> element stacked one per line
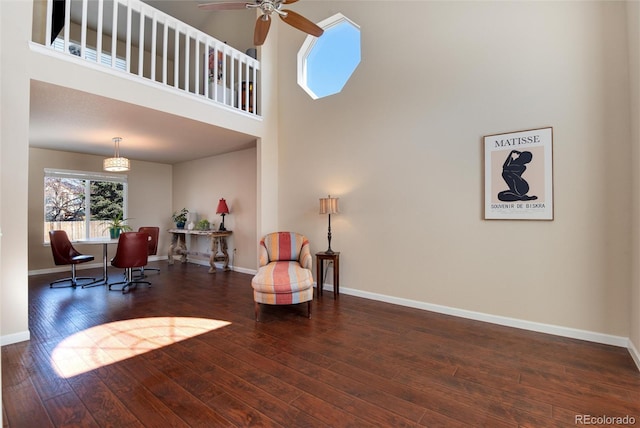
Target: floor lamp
<point>329,206</point>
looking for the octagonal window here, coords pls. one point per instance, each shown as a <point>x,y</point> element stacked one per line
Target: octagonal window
<point>326,63</point>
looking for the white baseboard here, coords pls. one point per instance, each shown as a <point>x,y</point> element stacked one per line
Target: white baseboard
<point>203,262</point>
<point>573,333</point>
<point>634,353</point>
<point>15,338</point>
<point>83,266</point>
<point>244,270</point>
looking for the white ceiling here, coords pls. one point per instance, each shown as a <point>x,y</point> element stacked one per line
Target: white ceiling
<point>70,120</point>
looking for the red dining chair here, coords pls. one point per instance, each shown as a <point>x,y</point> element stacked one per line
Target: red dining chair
<point>154,233</point>
<point>65,254</point>
<point>131,253</point>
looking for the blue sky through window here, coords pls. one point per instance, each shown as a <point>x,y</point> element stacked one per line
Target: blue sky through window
<point>332,58</point>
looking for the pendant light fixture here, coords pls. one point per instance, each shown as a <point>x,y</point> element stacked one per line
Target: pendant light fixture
<point>116,163</point>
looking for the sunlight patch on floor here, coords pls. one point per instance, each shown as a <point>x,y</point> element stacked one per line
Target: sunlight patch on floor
<point>116,341</point>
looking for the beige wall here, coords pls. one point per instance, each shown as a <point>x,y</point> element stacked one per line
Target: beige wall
<point>401,147</point>
<point>198,186</point>
<point>268,145</point>
<point>633,23</point>
<point>149,201</point>
<point>2,147</point>
<point>235,27</point>
<point>14,153</point>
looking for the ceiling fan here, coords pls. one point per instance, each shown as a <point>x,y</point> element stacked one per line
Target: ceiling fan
<point>263,22</point>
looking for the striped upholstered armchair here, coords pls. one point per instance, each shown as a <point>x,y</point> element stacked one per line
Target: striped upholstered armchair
<point>284,276</point>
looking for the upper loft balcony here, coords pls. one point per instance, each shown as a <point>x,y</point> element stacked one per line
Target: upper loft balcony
<point>132,37</point>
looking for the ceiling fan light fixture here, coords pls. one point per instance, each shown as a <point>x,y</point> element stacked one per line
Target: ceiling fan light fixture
<point>116,163</point>
<point>263,22</point>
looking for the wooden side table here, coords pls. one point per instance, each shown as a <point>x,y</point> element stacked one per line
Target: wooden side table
<point>320,259</point>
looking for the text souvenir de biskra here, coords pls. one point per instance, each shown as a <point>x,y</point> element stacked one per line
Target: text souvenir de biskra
<point>519,175</point>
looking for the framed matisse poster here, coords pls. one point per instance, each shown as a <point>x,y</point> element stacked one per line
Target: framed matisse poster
<point>518,175</point>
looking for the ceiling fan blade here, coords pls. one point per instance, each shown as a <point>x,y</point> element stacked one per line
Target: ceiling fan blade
<point>224,5</point>
<point>289,1</point>
<point>262,29</point>
<point>301,23</point>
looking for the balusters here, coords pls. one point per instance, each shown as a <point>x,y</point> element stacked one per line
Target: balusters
<point>67,21</point>
<point>187,45</point>
<point>176,56</point>
<point>165,50</point>
<point>99,32</point>
<point>141,44</point>
<point>128,44</point>
<point>83,31</point>
<point>196,67</point>
<point>196,59</point>
<point>114,34</point>
<point>154,42</point>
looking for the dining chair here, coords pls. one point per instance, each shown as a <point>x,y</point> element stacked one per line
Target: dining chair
<point>154,233</point>
<point>131,253</point>
<point>65,254</point>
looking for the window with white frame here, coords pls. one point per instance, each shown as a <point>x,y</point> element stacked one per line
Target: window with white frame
<point>326,63</point>
<point>81,203</point>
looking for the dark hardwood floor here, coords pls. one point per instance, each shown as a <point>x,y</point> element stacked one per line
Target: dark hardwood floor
<point>191,354</point>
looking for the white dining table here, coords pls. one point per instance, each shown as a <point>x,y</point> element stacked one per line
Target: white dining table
<point>104,242</point>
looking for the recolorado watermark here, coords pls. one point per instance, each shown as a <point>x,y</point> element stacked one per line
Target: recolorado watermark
<point>604,420</point>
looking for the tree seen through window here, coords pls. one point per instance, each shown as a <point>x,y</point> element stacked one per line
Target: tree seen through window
<point>82,206</point>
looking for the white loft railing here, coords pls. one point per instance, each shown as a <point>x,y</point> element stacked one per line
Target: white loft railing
<point>158,47</point>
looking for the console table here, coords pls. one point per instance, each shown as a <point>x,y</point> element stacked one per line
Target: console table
<point>218,241</point>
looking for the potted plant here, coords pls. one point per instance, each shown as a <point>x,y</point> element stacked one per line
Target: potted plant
<point>180,218</point>
<point>203,224</point>
<point>117,225</point>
